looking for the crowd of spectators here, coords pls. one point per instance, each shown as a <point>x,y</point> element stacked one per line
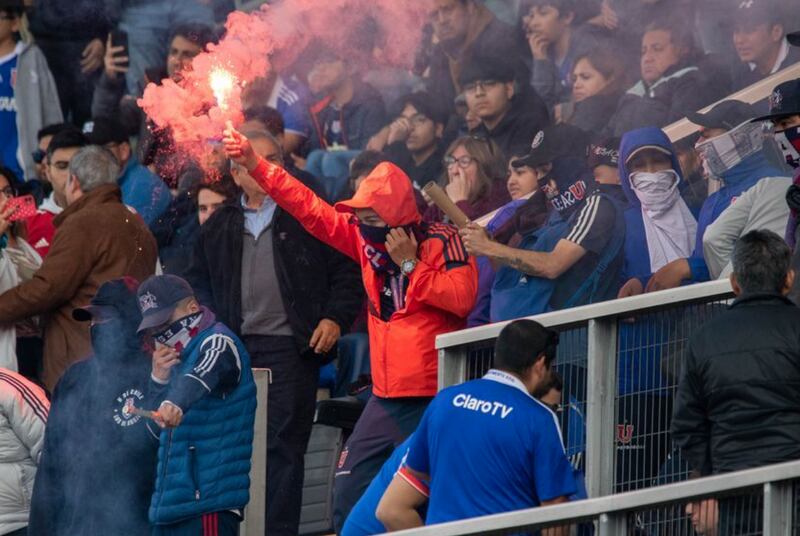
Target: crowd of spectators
<point>543,121</point>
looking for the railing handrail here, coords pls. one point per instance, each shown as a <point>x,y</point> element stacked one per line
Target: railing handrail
<point>622,502</point>
<point>751,94</point>
<point>654,301</point>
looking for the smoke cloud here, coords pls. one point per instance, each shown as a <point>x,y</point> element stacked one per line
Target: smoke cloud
<point>350,28</point>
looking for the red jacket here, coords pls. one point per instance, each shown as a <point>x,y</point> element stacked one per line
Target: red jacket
<point>41,231</point>
<point>441,290</point>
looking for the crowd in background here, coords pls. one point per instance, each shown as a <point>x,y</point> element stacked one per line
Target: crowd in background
<point>542,121</point>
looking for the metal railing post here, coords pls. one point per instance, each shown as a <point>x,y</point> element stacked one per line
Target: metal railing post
<point>611,524</point>
<point>600,406</point>
<point>254,523</point>
<point>778,508</point>
<point>452,366</point>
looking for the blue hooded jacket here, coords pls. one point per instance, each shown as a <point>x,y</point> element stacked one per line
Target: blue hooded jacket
<point>736,181</point>
<point>637,258</point>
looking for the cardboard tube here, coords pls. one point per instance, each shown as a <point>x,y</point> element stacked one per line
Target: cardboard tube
<point>444,203</point>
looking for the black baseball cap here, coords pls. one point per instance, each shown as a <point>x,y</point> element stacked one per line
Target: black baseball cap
<point>554,142</point>
<point>785,100</point>
<point>159,296</point>
<point>794,38</point>
<point>104,130</point>
<point>604,152</point>
<point>114,299</point>
<point>727,114</point>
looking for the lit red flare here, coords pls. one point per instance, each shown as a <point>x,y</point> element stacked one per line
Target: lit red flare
<point>222,83</point>
<point>133,410</point>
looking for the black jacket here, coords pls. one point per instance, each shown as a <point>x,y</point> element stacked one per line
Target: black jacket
<point>515,132</point>
<point>316,282</point>
<point>496,39</point>
<point>431,169</point>
<point>97,469</point>
<point>682,89</point>
<point>738,400</point>
<point>593,114</point>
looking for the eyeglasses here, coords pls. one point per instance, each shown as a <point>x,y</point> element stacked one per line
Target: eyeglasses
<point>8,191</point>
<point>38,156</point>
<point>484,85</point>
<point>463,162</point>
<point>8,17</point>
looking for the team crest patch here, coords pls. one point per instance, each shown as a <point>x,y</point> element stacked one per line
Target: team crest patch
<point>129,398</point>
<point>147,302</point>
<point>624,434</point>
<point>537,140</point>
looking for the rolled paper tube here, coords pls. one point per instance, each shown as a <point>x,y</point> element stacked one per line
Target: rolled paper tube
<point>444,203</point>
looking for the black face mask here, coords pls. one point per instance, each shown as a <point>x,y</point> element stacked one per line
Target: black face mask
<point>374,235</point>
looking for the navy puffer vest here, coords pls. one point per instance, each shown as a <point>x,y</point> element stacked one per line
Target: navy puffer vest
<point>204,464</point>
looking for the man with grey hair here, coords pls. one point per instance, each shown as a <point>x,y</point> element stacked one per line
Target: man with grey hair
<point>738,402</point>
<point>289,297</point>
<point>97,239</point>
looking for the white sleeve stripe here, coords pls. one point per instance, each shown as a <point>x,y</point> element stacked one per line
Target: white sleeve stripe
<point>587,226</point>
<point>555,422</point>
<point>581,218</point>
<point>212,359</point>
<point>211,344</point>
<point>216,346</point>
<point>192,376</point>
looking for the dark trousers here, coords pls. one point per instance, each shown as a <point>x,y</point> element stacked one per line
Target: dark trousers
<point>216,524</point>
<point>75,89</point>
<point>19,532</point>
<point>385,423</point>
<point>290,415</point>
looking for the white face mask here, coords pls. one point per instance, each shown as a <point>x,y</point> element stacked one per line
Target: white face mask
<point>723,153</point>
<point>657,192</point>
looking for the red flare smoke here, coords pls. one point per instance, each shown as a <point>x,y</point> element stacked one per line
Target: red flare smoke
<point>195,115</point>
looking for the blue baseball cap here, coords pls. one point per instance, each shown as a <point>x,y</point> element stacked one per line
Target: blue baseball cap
<point>159,296</point>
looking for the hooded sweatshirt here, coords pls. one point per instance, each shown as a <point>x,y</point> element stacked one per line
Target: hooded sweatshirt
<point>97,469</point>
<point>736,181</point>
<point>437,296</point>
<point>37,104</point>
<point>637,257</point>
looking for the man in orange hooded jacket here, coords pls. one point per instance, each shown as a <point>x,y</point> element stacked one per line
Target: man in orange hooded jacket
<point>419,280</point>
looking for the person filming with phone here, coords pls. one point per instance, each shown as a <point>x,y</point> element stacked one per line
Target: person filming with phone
<point>97,239</point>
<point>18,260</point>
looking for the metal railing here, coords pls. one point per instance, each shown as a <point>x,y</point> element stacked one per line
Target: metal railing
<point>762,501</point>
<point>620,361</point>
<point>254,523</point>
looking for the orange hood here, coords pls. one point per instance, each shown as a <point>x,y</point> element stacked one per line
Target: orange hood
<point>387,191</point>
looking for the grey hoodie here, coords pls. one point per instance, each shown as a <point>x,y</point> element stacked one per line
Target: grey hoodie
<point>37,104</point>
